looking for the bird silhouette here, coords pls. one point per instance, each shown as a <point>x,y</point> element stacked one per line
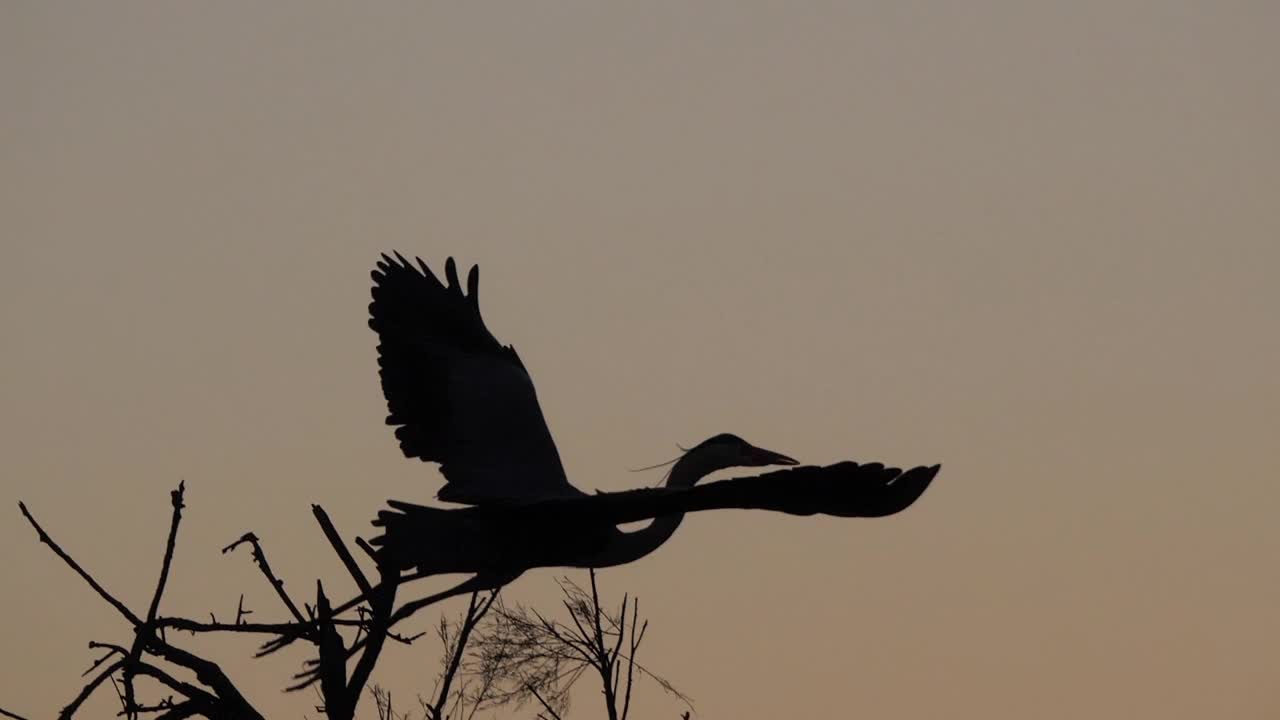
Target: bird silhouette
<point>460,398</point>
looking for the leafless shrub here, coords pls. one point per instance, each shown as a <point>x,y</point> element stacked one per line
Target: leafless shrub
<point>521,656</point>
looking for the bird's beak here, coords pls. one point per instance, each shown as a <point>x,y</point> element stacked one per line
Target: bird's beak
<point>769,457</point>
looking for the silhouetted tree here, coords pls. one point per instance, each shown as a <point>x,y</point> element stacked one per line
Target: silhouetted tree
<point>151,653</point>
<point>518,654</point>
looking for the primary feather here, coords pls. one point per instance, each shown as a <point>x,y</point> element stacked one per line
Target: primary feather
<point>456,395</point>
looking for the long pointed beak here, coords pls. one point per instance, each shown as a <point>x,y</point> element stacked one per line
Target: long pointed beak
<point>769,457</point>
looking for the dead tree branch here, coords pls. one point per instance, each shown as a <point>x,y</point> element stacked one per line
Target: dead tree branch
<point>143,633</point>
<point>496,654</point>
<point>57,550</point>
<point>221,699</point>
<point>277,584</point>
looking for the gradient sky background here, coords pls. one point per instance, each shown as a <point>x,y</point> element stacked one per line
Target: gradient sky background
<point>1035,242</point>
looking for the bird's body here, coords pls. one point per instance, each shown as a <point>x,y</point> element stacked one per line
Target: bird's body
<point>548,533</point>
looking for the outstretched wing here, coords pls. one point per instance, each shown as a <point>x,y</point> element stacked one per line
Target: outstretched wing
<point>457,396</point>
<point>560,531</point>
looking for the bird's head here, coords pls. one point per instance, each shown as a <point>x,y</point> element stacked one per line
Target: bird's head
<point>733,451</point>
<point>720,452</point>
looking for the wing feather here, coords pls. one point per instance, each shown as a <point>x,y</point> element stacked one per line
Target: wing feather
<point>456,395</point>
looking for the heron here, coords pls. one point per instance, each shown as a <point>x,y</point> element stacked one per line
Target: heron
<point>458,397</point>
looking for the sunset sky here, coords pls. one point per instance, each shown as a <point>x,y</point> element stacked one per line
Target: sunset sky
<point>1038,243</point>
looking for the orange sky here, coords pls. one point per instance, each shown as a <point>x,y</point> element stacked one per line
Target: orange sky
<point>1036,244</point>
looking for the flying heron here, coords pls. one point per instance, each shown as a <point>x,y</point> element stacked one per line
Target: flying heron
<point>460,398</point>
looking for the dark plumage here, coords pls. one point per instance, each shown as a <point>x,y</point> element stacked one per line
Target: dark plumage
<point>460,398</point>
<point>457,396</point>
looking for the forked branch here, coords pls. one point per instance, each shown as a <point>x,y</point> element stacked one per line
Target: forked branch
<point>219,697</point>
<point>213,694</point>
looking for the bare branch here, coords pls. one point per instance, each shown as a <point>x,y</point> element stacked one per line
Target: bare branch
<point>142,633</point>
<point>44,538</point>
<point>333,661</point>
<point>87,690</point>
<point>112,651</point>
<point>534,691</point>
<point>476,610</point>
<point>580,644</point>
<point>634,645</point>
<point>617,645</point>
<point>191,692</point>
<point>380,624</point>
<point>402,639</point>
<point>208,673</point>
<point>340,548</point>
<point>176,498</point>
<point>260,558</point>
<point>197,626</point>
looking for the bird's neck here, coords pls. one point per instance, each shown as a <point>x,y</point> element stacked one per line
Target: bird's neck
<point>686,473</point>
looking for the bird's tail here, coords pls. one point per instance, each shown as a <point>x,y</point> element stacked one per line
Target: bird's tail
<point>411,535</point>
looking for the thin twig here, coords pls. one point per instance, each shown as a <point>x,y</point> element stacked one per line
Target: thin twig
<point>241,613</point>
<point>476,611</point>
<point>580,643</point>
<point>403,639</point>
<point>617,646</point>
<point>534,691</point>
<point>44,538</point>
<point>112,651</point>
<point>196,626</point>
<point>87,690</point>
<point>606,659</point>
<point>260,558</point>
<point>634,644</point>
<point>175,497</point>
<point>142,633</point>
